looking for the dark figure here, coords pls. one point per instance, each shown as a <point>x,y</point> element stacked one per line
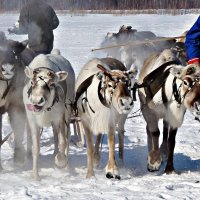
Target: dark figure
<point>2,36</point>
<point>38,20</point>
<point>192,43</point>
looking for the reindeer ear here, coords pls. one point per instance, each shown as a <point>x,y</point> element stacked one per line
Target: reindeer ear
<point>100,75</point>
<point>29,72</point>
<point>181,71</point>
<point>132,72</point>
<point>191,69</point>
<point>16,46</point>
<point>61,76</point>
<point>177,70</point>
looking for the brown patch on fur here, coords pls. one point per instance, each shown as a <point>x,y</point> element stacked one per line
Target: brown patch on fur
<point>151,59</point>
<point>114,64</point>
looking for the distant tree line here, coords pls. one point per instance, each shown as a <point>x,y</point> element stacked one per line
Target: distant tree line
<point>10,5</point>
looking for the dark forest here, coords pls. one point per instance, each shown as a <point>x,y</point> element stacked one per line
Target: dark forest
<point>15,5</point>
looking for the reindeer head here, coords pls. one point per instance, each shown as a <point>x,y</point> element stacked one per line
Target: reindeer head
<point>116,88</point>
<point>42,92</point>
<point>190,87</point>
<point>9,57</point>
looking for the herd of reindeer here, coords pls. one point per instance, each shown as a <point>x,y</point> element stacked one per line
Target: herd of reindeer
<point>42,91</point>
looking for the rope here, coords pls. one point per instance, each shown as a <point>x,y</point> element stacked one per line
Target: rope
<point>136,43</point>
<point>133,114</point>
<point>5,139</point>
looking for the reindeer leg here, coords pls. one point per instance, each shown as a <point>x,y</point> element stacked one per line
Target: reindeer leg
<point>154,157</point>
<point>55,136</point>
<point>149,139</point>
<point>111,167</point>
<point>29,141</point>
<point>96,150</point>
<point>35,134</point>
<point>90,150</point>
<point>60,158</point>
<point>163,147</point>
<point>0,140</point>
<point>17,121</point>
<point>171,145</point>
<point>121,137</point>
<point>80,132</point>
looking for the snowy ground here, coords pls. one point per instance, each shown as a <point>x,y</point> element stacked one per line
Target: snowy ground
<point>75,37</point>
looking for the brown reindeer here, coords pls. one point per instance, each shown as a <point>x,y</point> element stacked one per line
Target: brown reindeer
<point>14,56</point>
<point>169,90</point>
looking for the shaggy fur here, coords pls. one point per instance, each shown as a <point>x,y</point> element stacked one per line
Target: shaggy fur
<point>12,78</point>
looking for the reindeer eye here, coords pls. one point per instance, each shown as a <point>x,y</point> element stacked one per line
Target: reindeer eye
<point>109,85</point>
<point>51,84</point>
<point>186,83</point>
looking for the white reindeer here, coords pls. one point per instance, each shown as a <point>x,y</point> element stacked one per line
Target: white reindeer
<point>103,100</point>
<point>48,98</point>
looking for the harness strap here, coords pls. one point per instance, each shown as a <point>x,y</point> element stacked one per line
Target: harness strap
<point>29,91</point>
<point>135,87</point>
<point>56,99</point>
<point>102,100</point>
<point>164,96</point>
<point>82,88</point>
<point>154,80</point>
<point>176,92</point>
<point>7,90</point>
<point>86,99</point>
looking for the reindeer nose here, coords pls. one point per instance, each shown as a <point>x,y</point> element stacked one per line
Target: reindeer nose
<point>41,101</point>
<point>37,100</point>
<point>126,101</point>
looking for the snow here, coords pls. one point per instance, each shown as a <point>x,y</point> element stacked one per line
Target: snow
<point>75,37</point>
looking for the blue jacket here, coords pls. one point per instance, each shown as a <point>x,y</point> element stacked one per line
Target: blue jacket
<point>192,42</point>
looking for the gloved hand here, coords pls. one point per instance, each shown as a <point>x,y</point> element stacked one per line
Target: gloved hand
<point>13,30</point>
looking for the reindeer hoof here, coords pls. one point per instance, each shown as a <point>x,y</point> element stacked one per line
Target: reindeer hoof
<point>151,168</point>
<point>19,156</point>
<point>61,160</point>
<point>170,170</point>
<point>117,177</point>
<point>154,161</point>
<point>36,176</point>
<point>90,175</point>
<point>96,161</point>
<point>109,175</point>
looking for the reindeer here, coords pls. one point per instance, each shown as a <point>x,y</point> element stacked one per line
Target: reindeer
<point>48,97</point>
<point>131,53</point>
<point>169,89</point>
<point>14,56</point>
<point>103,99</point>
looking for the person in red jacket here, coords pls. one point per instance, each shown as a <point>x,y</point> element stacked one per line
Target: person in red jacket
<point>38,20</point>
<point>192,43</point>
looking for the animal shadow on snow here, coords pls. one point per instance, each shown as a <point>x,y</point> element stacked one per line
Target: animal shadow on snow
<point>183,163</point>
<point>135,158</point>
